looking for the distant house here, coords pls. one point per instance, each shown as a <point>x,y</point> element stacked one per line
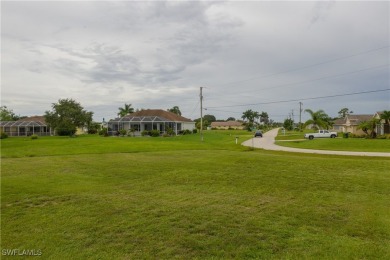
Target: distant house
<point>26,127</point>
<point>150,119</point>
<point>227,125</point>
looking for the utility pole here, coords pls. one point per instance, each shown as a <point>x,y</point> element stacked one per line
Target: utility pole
<point>201,114</point>
<point>300,115</point>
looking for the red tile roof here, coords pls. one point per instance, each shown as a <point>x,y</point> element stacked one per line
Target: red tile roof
<point>33,118</point>
<point>160,113</point>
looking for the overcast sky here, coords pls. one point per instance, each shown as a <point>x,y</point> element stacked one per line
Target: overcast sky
<point>157,54</point>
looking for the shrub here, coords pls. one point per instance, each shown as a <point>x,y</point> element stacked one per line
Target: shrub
<point>123,132</point>
<point>103,132</point>
<point>145,132</point>
<point>33,137</point>
<point>170,131</point>
<point>357,136</point>
<point>92,131</point>
<point>3,135</point>
<point>186,132</point>
<point>166,135</point>
<point>154,133</point>
<point>64,130</point>
<point>385,136</point>
<point>194,131</point>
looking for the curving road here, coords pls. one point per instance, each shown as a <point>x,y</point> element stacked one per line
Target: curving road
<point>268,143</point>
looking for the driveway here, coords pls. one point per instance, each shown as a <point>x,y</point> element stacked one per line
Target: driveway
<point>267,142</point>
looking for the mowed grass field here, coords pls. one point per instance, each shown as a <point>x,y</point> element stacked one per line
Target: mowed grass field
<point>161,198</point>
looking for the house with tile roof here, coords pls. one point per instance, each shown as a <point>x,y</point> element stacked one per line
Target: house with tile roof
<point>350,124</point>
<point>150,119</point>
<point>26,127</point>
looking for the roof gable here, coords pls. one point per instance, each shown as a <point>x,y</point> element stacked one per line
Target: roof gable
<point>357,119</point>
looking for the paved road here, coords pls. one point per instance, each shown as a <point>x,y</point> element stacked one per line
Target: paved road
<point>267,142</point>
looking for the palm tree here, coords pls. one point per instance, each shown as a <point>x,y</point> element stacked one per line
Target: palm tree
<point>318,118</point>
<point>386,116</point>
<point>369,126</point>
<point>127,109</point>
<point>250,116</point>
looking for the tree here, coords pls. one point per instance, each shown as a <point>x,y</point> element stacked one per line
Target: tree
<point>126,109</point>
<point>386,116</point>
<point>368,127</point>
<point>209,118</point>
<point>250,116</point>
<point>7,114</point>
<point>175,110</point>
<point>66,116</point>
<point>231,119</point>
<point>205,124</point>
<point>288,124</point>
<point>318,119</point>
<point>344,112</point>
<point>264,117</point>
<point>93,127</point>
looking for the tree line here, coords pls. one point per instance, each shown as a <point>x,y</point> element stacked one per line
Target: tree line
<point>67,115</point>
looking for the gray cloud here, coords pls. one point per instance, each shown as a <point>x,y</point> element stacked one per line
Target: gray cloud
<point>158,54</point>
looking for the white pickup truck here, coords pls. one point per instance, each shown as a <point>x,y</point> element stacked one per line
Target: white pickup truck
<point>321,134</point>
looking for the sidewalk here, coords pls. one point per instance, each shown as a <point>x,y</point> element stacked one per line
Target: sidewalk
<point>267,142</point>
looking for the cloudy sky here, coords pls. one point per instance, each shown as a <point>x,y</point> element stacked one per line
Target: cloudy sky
<point>259,55</point>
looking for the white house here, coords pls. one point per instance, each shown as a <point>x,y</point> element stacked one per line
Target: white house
<point>150,119</point>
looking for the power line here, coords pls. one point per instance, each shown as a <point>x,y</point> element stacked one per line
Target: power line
<point>326,77</point>
<point>317,79</point>
<point>305,67</point>
<point>310,98</point>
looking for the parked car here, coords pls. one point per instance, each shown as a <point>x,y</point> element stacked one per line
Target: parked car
<point>258,133</point>
<point>321,134</point>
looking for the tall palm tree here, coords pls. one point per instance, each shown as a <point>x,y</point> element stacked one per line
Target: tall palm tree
<point>318,118</point>
<point>250,116</point>
<point>126,109</point>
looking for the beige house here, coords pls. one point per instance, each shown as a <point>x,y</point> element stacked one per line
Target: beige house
<point>350,124</point>
<point>227,125</point>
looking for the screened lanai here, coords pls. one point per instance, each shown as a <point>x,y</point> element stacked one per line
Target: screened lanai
<point>24,128</point>
<point>150,119</point>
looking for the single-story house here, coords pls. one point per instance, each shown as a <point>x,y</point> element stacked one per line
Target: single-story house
<point>227,125</point>
<point>350,124</point>
<point>150,119</point>
<point>26,127</point>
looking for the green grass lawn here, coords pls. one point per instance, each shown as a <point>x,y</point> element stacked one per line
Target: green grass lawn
<point>164,198</point>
